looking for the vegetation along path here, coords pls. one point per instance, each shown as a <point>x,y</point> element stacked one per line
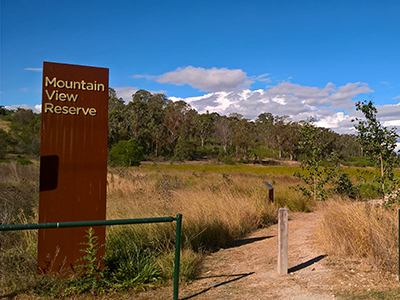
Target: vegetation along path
<point>247,269</point>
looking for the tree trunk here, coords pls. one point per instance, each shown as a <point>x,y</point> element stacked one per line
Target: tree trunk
<point>382,173</point>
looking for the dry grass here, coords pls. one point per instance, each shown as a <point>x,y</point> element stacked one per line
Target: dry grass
<point>5,125</point>
<point>361,230</point>
<point>215,207</point>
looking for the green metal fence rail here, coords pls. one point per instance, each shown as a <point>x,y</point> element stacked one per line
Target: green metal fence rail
<point>178,220</point>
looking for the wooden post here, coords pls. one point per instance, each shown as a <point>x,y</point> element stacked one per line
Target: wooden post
<point>283,214</point>
<point>270,192</point>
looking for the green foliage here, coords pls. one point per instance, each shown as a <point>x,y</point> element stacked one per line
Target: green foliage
<point>185,150</point>
<point>316,146</point>
<point>130,261</point>
<point>126,153</point>
<point>90,275</point>
<point>357,161</point>
<point>23,161</point>
<point>126,265</point>
<point>228,160</point>
<point>25,132</point>
<point>344,186</point>
<point>379,144</point>
<point>174,130</point>
<point>261,152</point>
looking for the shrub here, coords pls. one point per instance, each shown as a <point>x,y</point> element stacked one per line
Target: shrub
<point>344,186</point>
<point>126,153</point>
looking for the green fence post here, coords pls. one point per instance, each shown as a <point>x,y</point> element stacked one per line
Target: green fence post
<point>177,255</point>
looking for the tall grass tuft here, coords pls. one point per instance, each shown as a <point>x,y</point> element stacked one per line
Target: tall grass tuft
<point>361,230</point>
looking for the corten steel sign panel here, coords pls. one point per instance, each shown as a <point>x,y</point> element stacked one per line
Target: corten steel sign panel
<point>73,170</point>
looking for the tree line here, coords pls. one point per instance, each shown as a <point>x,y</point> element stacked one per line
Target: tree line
<point>164,129</point>
<point>152,127</point>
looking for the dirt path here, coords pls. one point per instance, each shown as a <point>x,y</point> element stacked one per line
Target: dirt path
<point>248,269</point>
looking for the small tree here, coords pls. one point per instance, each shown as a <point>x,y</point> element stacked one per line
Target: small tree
<point>316,148</point>
<point>378,142</point>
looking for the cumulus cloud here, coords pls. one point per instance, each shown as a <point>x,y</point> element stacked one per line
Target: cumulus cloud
<point>341,98</point>
<point>290,99</point>
<point>209,80</point>
<point>35,109</point>
<point>126,92</point>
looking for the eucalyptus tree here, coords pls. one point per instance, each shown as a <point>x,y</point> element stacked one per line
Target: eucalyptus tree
<point>378,142</point>
<point>265,126</point>
<point>178,121</point>
<point>224,131</point>
<point>279,133</point>
<point>145,118</point>
<point>204,125</point>
<point>291,139</point>
<point>116,120</point>
<point>244,136</point>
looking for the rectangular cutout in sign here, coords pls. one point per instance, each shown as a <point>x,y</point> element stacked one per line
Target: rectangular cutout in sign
<point>73,160</point>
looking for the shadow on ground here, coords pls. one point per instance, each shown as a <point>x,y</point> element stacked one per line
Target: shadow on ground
<point>306,264</point>
<point>237,277</point>
<point>242,242</point>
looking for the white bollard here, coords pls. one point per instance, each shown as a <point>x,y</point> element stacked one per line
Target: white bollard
<point>283,215</point>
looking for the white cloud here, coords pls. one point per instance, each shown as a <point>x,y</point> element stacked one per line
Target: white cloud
<point>148,77</point>
<point>34,69</point>
<point>341,98</point>
<point>35,108</point>
<point>336,121</point>
<point>286,98</point>
<point>262,78</point>
<point>211,80</point>
<point>308,95</point>
<point>398,97</point>
<point>126,92</point>
<point>392,123</point>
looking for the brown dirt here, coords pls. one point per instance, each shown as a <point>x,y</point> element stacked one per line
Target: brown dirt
<point>247,269</point>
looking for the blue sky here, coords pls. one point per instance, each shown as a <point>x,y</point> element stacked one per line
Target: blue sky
<point>296,58</point>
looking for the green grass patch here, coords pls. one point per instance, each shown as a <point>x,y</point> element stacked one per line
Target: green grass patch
<point>272,170</point>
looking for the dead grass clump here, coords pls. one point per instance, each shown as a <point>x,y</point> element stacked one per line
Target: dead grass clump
<point>361,230</point>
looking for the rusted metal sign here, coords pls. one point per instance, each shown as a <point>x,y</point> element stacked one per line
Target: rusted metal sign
<point>73,170</point>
